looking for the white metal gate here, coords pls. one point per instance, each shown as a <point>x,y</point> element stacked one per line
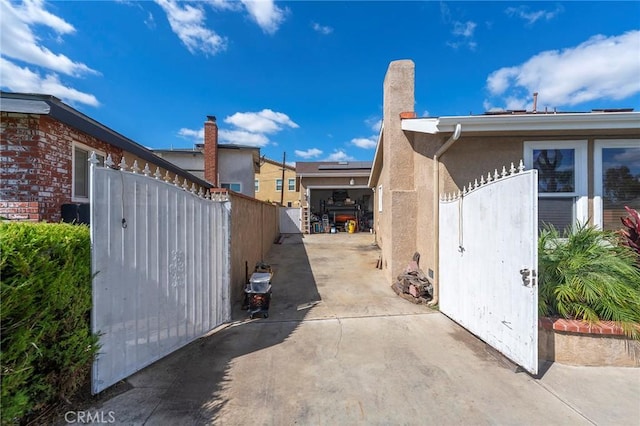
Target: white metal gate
<point>290,220</point>
<point>488,261</point>
<point>160,259</point>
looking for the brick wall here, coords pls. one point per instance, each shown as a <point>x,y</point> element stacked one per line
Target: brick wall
<point>211,150</point>
<point>36,165</point>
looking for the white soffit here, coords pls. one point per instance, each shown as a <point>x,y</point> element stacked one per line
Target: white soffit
<point>528,122</point>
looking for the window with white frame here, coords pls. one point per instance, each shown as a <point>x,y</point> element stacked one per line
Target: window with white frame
<point>80,167</point>
<point>380,198</point>
<point>616,181</point>
<point>562,181</point>
<point>292,184</point>
<point>256,184</point>
<point>234,186</point>
<point>278,185</point>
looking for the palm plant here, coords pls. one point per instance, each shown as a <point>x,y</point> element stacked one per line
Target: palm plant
<point>589,276</point>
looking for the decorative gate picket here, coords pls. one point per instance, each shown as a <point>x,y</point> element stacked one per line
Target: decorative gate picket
<point>290,222</point>
<point>160,260</point>
<point>488,262</point>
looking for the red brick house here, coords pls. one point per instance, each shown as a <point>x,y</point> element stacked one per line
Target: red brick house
<point>44,148</point>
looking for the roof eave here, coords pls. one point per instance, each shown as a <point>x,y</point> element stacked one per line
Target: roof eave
<point>376,167</point>
<point>528,122</point>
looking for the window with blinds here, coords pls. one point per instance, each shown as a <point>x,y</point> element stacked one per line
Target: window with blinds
<point>620,179</point>
<point>562,182</point>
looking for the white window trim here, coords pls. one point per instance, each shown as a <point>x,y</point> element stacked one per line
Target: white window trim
<point>380,199</point>
<point>281,185</point>
<point>597,172</point>
<point>89,150</point>
<point>256,184</point>
<point>294,184</point>
<point>581,173</point>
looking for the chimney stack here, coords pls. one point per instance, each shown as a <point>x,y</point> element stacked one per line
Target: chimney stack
<point>535,102</point>
<point>211,150</point>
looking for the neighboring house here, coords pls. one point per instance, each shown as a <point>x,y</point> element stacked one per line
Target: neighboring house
<point>270,186</point>
<point>236,165</point>
<point>335,189</point>
<point>45,149</point>
<point>588,166</point>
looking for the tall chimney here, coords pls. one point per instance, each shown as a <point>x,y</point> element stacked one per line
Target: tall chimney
<point>211,150</point>
<point>535,102</point>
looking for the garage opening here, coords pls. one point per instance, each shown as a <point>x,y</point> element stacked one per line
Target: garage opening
<point>341,209</point>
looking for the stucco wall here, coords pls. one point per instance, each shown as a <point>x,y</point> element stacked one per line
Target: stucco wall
<point>269,172</point>
<point>237,166</point>
<point>191,161</point>
<point>396,224</point>
<point>254,228</point>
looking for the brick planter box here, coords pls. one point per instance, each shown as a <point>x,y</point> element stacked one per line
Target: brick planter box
<point>580,343</point>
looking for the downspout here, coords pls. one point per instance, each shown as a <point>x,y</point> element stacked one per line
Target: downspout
<point>436,209</point>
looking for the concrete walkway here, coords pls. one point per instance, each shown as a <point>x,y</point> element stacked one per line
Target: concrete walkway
<point>340,348</point>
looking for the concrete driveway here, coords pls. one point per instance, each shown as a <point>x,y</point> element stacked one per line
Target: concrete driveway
<point>340,348</point>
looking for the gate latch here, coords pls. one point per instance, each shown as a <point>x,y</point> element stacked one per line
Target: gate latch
<point>528,277</point>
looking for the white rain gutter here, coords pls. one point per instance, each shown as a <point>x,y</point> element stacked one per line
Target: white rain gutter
<point>436,209</point>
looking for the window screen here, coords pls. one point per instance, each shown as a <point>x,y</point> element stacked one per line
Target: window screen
<point>80,173</point>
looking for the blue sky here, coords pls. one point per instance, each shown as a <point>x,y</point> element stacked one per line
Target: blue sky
<point>306,77</point>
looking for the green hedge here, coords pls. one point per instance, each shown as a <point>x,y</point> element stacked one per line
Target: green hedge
<point>46,341</point>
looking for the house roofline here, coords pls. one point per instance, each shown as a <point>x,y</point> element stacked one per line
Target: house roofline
<point>352,174</point>
<point>525,122</point>
<point>279,164</point>
<point>28,103</point>
<point>376,167</point>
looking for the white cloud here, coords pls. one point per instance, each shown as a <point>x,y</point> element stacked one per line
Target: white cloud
<point>232,5</point>
<point>197,136</point>
<point>322,29</point>
<point>464,29</point>
<point>600,68</point>
<point>266,14</point>
<point>365,143</point>
<point>310,153</point>
<point>242,137</point>
<point>188,22</point>
<point>20,42</point>
<point>374,123</point>
<point>265,121</point>
<point>339,155</point>
<point>20,79</point>
<point>531,17</point>
<point>250,128</point>
<point>150,21</point>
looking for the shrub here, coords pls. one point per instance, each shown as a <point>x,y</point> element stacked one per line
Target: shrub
<point>46,341</point>
<point>631,230</point>
<point>589,276</point>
